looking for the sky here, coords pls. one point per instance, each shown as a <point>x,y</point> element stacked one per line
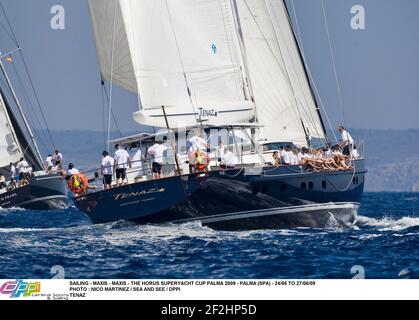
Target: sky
<point>377,68</point>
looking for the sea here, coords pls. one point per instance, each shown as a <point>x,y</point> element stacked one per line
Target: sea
<point>384,244</point>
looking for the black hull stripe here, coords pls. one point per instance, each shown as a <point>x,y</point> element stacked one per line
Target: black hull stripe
<point>58,197</point>
<point>271,212</point>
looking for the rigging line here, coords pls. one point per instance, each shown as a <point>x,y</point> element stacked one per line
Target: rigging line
<point>27,98</point>
<point>103,114</point>
<point>37,100</point>
<point>27,72</point>
<point>181,62</point>
<point>333,62</point>
<point>12,33</point>
<point>4,85</point>
<point>112,112</point>
<point>7,32</point>
<point>111,84</point>
<point>308,70</point>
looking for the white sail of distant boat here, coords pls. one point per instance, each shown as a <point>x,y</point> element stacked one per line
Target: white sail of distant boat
<point>208,60</point>
<point>9,146</point>
<point>14,143</point>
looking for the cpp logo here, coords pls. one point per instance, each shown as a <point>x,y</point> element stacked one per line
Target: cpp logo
<point>20,287</point>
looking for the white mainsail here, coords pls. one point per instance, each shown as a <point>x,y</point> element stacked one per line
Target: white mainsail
<point>181,54</point>
<point>284,103</point>
<point>9,146</point>
<point>186,55</point>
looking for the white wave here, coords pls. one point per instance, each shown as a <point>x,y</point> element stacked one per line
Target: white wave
<point>369,236</point>
<point>388,224</point>
<point>10,210</point>
<point>62,229</point>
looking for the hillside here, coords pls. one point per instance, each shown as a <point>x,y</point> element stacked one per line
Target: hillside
<point>392,156</point>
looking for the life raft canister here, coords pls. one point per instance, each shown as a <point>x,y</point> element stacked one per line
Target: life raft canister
<point>78,183</point>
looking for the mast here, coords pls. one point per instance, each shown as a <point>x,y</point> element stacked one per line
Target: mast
<point>174,151</point>
<point>19,107</point>
<point>305,69</point>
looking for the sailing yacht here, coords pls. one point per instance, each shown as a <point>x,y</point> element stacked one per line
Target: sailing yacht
<point>44,191</point>
<point>222,67</point>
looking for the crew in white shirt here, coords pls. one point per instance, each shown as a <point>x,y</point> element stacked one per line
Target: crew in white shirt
<point>107,169</point>
<point>13,175</point>
<point>336,151</point>
<point>71,170</point>
<point>49,163</point>
<point>294,158</point>
<point>196,143</point>
<point>355,154</point>
<point>58,159</point>
<point>302,155</point>
<point>347,141</point>
<point>24,170</point>
<point>229,160</point>
<point>157,152</point>
<point>327,153</point>
<point>122,162</point>
<point>286,157</point>
<point>282,154</point>
<point>136,157</point>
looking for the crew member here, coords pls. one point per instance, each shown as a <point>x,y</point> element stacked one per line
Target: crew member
<point>157,152</point>
<point>107,169</point>
<point>23,170</point>
<point>49,163</point>
<point>71,170</point>
<point>196,143</point>
<point>136,157</point>
<point>13,175</point>
<point>57,159</point>
<point>229,160</point>
<point>122,162</point>
<point>276,159</point>
<point>2,182</point>
<point>347,141</point>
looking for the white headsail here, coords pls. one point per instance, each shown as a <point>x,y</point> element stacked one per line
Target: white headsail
<point>284,103</point>
<point>112,43</point>
<point>9,146</point>
<point>182,54</point>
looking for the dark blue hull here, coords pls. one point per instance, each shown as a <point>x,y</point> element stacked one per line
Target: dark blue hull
<point>229,199</point>
<point>13,198</point>
<point>47,192</point>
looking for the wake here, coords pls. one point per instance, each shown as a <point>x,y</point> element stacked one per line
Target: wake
<point>388,224</point>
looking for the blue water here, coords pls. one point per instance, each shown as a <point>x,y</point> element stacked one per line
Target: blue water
<point>385,242</point>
